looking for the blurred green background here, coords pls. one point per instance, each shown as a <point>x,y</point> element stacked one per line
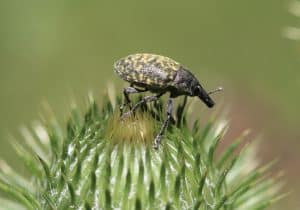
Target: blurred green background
<point>58,50</point>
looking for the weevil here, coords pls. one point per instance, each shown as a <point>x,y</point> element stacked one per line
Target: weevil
<point>159,75</point>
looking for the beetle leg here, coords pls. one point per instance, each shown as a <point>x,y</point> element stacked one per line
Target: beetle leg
<point>165,124</point>
<point>146,100</point>
<point>126,92</point>
<point>143,101</point>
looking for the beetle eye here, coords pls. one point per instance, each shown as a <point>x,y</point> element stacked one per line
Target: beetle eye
<point>196,91</point>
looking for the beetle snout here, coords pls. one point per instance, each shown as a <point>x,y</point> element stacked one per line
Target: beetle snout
<point>207,100</point>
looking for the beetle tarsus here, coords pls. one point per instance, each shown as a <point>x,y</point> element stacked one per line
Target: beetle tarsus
<point>126,115</point>
<point>157,141</point>
<point>127,101</point>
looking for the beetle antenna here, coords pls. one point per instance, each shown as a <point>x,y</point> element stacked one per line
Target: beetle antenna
<point>215,90</point>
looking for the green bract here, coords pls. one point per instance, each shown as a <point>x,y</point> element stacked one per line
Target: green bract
<point>86,166</point>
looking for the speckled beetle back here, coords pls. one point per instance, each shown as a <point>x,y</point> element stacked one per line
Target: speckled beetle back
<point>148,69</point>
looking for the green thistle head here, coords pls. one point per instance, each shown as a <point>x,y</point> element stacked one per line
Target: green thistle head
<point>100,162</point>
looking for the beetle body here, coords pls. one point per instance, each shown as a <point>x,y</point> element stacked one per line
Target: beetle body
<point>158,74</point>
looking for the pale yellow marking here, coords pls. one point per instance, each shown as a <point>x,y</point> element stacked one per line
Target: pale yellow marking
<point>170,77</point>
<point>148,81</point>
<point>159,59</point>
<point>147,58</point>
<point>134,77</point>
<point>141,77</point>
<point>160,83</point>
<point>139,67</point>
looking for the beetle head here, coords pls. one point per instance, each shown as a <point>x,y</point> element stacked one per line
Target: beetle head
<point>186,83</point>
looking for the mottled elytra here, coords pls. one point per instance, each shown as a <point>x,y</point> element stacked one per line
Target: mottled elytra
<point>158,74</point>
